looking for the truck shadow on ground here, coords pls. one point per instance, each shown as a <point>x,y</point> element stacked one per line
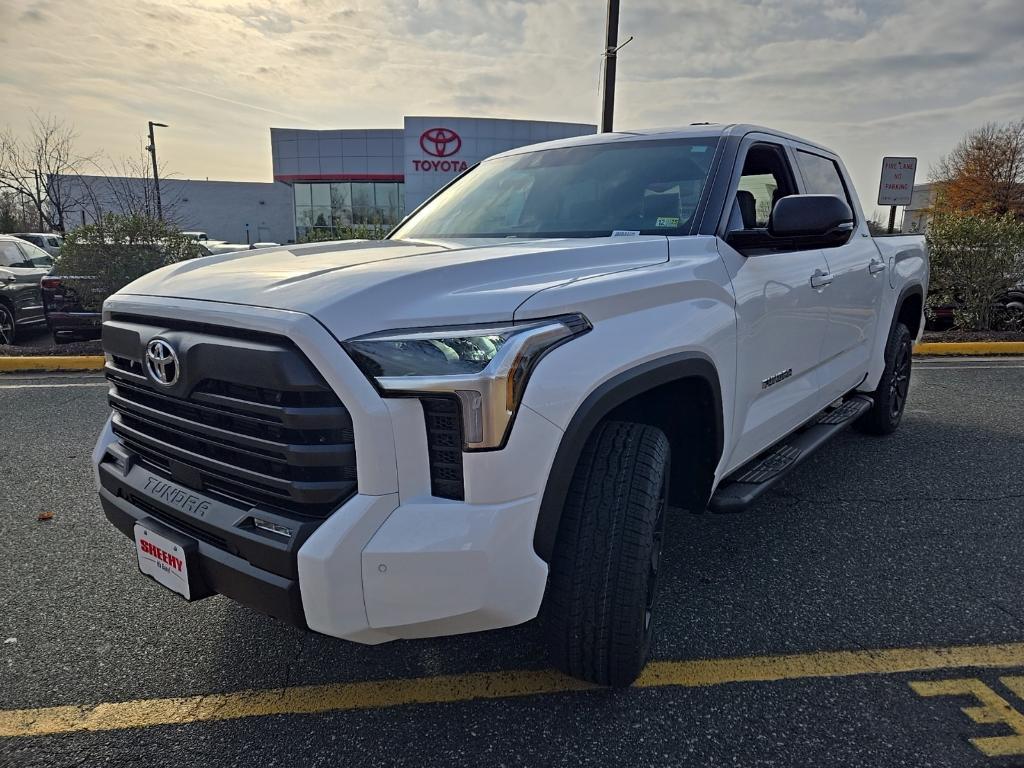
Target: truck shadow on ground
<point>863,560</point>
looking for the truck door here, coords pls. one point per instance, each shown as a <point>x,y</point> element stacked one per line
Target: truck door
<point>781,309</point>
<point>858,278</point>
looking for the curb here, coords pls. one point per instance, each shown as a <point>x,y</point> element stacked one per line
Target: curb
<point>54,363</point>
<point>981,348</point>
<point>95,362</point>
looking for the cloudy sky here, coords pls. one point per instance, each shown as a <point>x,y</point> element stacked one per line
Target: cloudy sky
<point>868,78</point>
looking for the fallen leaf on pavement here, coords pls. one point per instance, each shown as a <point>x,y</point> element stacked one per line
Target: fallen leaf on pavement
<point>45,516</point>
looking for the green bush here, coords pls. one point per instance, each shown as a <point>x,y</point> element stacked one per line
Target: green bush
<point>975,260</point>
<point>347,232</point>
<point>99,259</point>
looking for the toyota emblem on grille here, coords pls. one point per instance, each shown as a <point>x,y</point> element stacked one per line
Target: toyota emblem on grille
<point>162,362</point>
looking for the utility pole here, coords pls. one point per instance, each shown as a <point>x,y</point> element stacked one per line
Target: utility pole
<point>156,174</point>
<point>611,49</point>
<point>39,199</point>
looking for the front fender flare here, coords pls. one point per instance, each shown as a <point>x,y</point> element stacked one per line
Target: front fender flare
<point>599,403</point>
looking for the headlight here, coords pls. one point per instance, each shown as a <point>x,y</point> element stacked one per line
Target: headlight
<point>485,367</point>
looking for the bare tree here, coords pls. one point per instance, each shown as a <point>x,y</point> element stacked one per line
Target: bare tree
<point>38,168</point>
<point>16,215</point>
<point>126,186</point>
<point>985,172</point>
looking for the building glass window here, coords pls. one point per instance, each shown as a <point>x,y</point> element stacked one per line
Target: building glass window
<point>321,208</point>
<point>386,201</point>
<point>321,195</point>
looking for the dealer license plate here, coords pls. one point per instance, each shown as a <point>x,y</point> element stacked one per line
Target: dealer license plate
<point>162,559</point>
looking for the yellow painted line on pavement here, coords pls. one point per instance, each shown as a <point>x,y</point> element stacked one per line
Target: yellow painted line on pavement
<point>311,699</point>
<point>54,363</point>
<point>970,348</point>
<point>95,362</point>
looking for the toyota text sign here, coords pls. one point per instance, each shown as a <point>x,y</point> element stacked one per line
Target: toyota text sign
<point>897,185</point>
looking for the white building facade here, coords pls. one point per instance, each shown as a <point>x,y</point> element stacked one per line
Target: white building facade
<point>233,211</point>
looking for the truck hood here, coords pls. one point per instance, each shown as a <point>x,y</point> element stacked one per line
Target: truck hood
<point>356,287</point>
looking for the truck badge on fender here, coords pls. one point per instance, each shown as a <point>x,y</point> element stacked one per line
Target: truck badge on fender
<point>776,378</point>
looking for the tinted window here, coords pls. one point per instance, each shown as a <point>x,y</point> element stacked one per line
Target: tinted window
<point>10,254</point>
<point>35,257</point>
<point>651,187</point>
<point>821,176</point>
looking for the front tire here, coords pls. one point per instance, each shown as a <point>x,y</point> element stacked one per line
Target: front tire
<point>891,396</point>
<point>599,613</point>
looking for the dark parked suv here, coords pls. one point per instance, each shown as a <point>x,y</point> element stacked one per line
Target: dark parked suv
<point>71,317</point>
<point>22,266</point>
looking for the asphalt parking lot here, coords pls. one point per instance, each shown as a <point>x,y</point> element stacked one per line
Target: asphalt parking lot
<point>887,572</point>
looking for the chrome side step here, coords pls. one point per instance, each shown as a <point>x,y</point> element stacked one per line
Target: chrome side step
<point>743,487</point>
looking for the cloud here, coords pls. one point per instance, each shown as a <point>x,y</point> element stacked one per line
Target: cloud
<point>868,77</point>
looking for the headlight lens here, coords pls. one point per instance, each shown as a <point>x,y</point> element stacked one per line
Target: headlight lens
<point>446,352</point>
<point>485,367</point>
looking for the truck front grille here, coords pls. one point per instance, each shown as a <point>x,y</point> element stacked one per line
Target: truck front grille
<point>250,419</point>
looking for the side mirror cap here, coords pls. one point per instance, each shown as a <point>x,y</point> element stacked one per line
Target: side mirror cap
<point>811,216</point>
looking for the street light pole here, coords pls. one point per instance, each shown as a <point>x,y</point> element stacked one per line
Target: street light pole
<point>611,48</point>
<point>39,198</point>
<point>156,174</point>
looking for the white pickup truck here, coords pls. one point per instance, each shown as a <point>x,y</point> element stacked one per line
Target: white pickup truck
<point>495,412</point>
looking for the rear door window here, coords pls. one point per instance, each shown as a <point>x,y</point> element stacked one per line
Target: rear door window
<point>822,176</point>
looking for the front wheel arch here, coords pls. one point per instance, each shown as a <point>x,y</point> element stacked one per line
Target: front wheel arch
<point>644,394</point>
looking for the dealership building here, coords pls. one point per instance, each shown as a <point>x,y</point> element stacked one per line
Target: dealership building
<point>328,179</point>
<point>351,177</point>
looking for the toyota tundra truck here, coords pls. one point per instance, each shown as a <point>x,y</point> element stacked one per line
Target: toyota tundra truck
<point>495,412</point>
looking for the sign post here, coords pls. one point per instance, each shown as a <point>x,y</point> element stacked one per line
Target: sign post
<point>897,184</point>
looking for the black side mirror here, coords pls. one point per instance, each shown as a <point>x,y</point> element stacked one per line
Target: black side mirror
<point>818,216</point>
<point>799,222</point>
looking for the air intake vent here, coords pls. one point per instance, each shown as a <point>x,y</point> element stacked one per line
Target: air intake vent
<point>444,443</point>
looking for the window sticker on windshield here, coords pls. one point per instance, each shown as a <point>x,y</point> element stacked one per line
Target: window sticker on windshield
<point>625,233</point>
<point>699,148</point>
<point>667,221</point>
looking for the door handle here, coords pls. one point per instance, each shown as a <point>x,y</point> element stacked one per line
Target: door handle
<point>875,266</point>
<point>9,279</point>
<point>820,279</point>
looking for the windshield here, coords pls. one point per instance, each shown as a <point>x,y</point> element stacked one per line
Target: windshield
<point>624,187</point>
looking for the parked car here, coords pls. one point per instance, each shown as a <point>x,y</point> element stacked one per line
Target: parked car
<point>22,265</point>
<point>487,414</point>
<point>195,235</point>
<point>48,241</point>
<point>69,315</point>
<point>1007,311</point>
<point>73,307</point>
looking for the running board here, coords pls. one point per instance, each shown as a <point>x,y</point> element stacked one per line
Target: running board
<point>742,488</point>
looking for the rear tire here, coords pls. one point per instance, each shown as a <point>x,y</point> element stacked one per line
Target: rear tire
<point>8,328</point>
<point>891,396</point>
<point>599,610</point>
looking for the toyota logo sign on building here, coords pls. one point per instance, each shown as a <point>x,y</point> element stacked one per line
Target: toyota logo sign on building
<point>440,142</point>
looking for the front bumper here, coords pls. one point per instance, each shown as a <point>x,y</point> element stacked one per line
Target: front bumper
<point>393,561</point>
